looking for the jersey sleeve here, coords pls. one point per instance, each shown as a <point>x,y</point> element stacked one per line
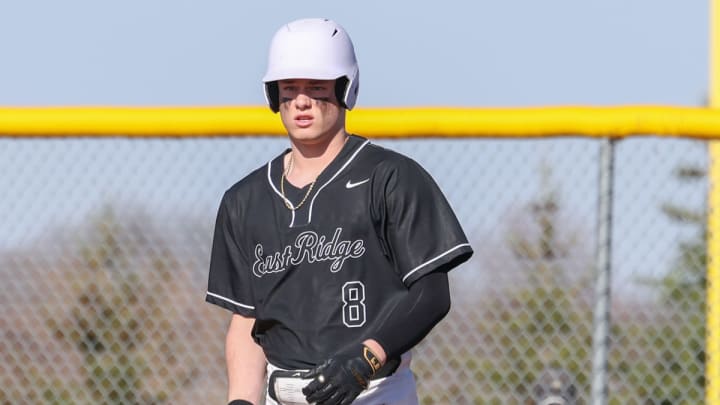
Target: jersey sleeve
<point>421,232</point>
<point>228,281</point>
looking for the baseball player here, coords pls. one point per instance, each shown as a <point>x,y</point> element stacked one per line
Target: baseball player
<point>332,257</point>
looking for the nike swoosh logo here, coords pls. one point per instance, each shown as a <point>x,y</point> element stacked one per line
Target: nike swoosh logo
<point>350,184</point>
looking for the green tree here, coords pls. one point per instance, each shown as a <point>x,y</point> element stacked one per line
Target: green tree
<point>682,344</point>
<point>684,285</point>
<point>126,337</point>
<point>550,317</point>
<point>500,338</point>
<point>663,358</point>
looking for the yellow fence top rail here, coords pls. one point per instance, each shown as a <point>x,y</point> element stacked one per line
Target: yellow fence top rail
<point>613,121</point>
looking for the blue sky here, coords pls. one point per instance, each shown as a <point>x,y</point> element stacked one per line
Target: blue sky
<point>469,53</point>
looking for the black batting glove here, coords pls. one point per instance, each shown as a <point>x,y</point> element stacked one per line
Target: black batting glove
<point>339,380</point>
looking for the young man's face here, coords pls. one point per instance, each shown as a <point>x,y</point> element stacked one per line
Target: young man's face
<point>309,109</point>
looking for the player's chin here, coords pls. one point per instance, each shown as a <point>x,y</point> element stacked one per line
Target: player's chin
<point>308,136</point>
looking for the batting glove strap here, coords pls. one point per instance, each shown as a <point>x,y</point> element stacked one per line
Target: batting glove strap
<point>339,380</point>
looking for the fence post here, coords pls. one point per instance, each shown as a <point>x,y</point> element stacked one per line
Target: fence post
<point>601,316</point>
<point>712,328</point>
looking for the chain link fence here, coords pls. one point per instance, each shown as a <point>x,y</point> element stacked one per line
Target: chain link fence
<point>104,250</point>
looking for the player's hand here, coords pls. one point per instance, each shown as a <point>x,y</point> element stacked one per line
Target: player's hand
<point>339,380</point>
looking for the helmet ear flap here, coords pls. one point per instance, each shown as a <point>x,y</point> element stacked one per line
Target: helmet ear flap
<point>341,88</point>
<point>272,95</point>
<point>346,91</point>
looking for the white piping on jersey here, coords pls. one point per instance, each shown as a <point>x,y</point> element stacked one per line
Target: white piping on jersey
<point>433,259</point>
<point>292,211</point>
<point>220,297</point>
<point>333,178</point>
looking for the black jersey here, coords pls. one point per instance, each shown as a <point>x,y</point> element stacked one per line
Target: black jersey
<point>322,277</point>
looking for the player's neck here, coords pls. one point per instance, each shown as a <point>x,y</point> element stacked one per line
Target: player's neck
<point>310,159</point>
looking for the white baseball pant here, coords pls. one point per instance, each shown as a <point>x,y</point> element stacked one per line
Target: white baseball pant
<point>396,389</point>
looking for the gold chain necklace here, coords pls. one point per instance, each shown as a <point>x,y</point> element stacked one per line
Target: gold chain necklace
<point>282,188</point>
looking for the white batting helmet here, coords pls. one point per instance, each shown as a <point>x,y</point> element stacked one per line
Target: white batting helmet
<point>312,48</point>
